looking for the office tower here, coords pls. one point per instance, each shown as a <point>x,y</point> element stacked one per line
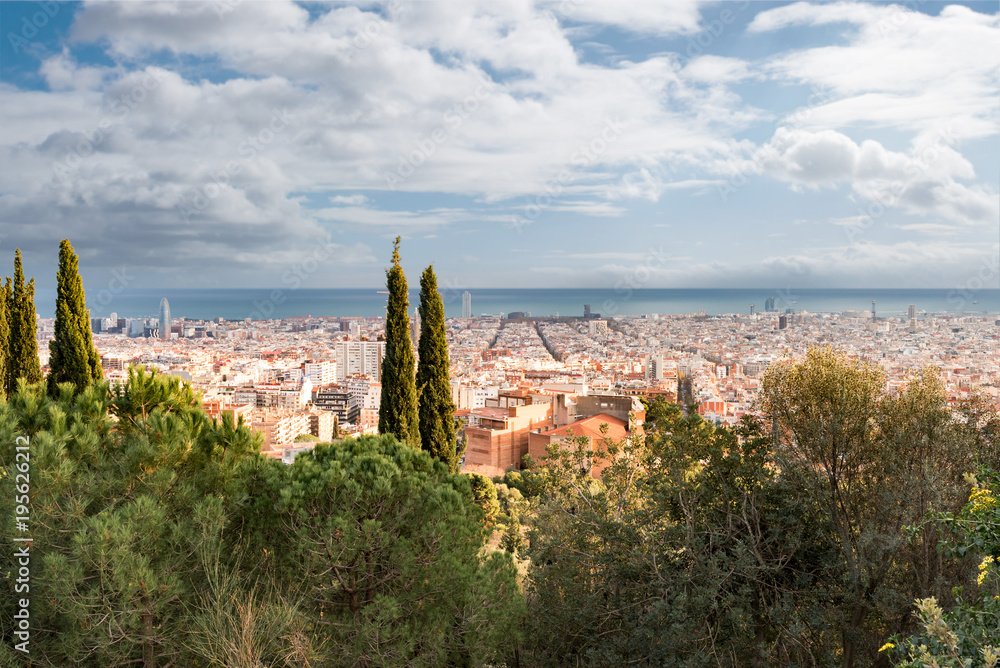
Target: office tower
<point>874,319</point>
<point>164,319</point>
<point>466,304</point>
<point>415,326</point>
<point>912,312</point>
<point>769,305</point>
<point>782,322</point>
<point>586,310</point>
<point>751,309</point>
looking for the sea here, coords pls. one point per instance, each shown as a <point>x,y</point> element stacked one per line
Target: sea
<point>239,304</point>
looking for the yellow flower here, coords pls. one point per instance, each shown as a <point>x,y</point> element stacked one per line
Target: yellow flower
<point>984,569</point>
<point>886,646</point>
<point>982,500</point>
<point>991,656</point>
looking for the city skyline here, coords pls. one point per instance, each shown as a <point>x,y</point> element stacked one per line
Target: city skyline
<point>554,144</point>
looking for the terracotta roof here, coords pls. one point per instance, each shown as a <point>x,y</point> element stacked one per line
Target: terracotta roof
<point>591,427</point>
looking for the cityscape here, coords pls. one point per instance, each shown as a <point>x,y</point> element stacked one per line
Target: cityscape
<point>291,376</point>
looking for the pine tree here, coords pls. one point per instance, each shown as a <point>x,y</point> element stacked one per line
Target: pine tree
<point>397,413</point>
<point>436,411</point>
<point>22,361</point>
<point>4,337</point>
<point>72,356</point>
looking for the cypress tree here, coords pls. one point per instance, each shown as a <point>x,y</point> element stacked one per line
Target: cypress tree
<point>22,361</point>
<point>436,411</point>
<point>397,414</point>
<point>4,336</point>
<point>72,356</point>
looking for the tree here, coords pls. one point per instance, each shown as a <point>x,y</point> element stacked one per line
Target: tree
<point>691,551</point>
<point>386,547</point>
<point>397,414</point>
<point>968,634</point>
<point>72,355</point>
<point>436,411</point>
<point>125,497</point>
<point>22,360</point>
<point>4,336</point>
<point>885,461</point>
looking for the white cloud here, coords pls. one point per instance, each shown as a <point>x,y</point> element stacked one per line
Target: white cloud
<point>923,182</point>
<point>898,68</point>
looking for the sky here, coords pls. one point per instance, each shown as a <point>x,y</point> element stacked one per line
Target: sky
<point>517,143</point>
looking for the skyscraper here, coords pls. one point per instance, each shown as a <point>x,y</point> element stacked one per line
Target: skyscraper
<point>164,319</point>
<point>769,305</point>
<point>913,317</point>
<point>874,318</point>
<point>466,304</point>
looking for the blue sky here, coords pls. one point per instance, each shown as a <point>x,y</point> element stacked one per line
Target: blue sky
<point>548,143</point>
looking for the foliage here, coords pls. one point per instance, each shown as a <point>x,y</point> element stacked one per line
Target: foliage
<point>436,410</point>
<point>22,351</point>
<point>485,496</point>
<point>4,335</point>
<point>122,501</point>
<point>386,543</point>
<point>72,355</point>
<point>885,461</point>
<point>397,414</point>
<point>692,551</point>
<point>968,635</point>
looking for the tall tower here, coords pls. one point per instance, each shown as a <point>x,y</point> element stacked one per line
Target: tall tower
<point>751,309</point>
<point>874,319</point>
<point>466,304</point>
<point>164,319</point>
<point>586,311</point>
<point>913,317</point>
<point>415,326</point>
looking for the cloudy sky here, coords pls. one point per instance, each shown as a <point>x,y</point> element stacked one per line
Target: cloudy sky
<point>517,143</point>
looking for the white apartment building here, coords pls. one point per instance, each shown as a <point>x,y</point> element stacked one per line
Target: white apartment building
<point>360,357</point>
<point>322,372</point>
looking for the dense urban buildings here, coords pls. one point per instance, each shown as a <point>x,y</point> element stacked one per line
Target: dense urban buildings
<point>519,383</point>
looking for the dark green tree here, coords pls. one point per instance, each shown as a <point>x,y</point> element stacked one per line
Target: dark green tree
<point>121,519</point>
<point>386,547</point>
<point>22,360</point>
<point>72,355</point>
<point>4,336</point>
<point>436,411</point>
<point>397,414</point>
